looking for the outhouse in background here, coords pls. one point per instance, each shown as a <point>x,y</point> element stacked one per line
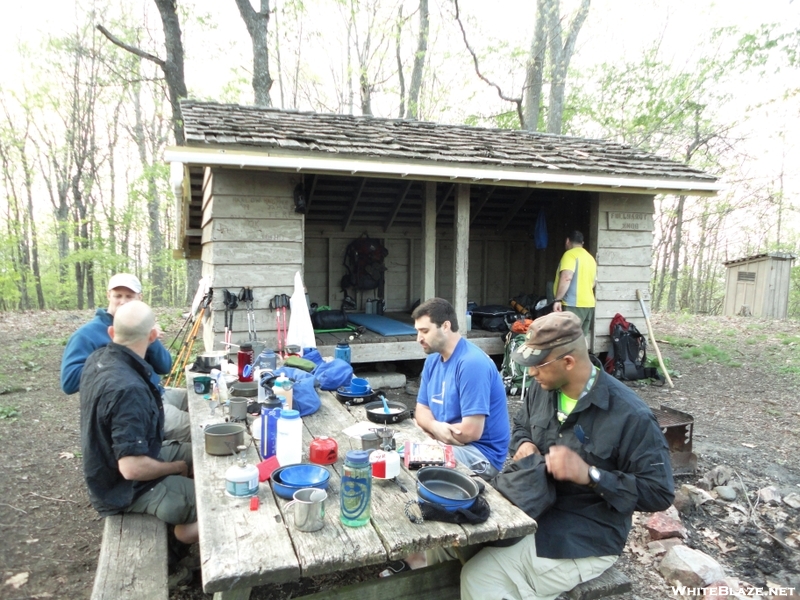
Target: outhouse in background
<point>758,285</point>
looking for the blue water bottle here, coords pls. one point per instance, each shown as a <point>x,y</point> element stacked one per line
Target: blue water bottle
<point>269,431</point>
<point>342,352</point>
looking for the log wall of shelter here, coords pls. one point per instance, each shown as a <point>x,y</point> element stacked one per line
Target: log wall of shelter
<point>251,237</point>
<point>624,258</point>
<point>499,266</point>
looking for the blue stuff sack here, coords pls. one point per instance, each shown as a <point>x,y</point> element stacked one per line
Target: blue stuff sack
<point>333,375</point>
<point>313,355</point>
<point>305,398</point>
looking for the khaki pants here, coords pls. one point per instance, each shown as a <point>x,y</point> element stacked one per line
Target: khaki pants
<point>172,499</point>
<point>176,420</point>
<point>516,573</point>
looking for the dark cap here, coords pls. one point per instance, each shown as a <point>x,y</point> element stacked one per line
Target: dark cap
<point>544,334</point>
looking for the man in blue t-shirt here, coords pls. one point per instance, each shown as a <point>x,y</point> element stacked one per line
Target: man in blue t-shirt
<point>461,400</point>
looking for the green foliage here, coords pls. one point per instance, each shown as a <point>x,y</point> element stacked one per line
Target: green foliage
<point>8,412</point>
<point>703,353</point>
<point>505,120</point>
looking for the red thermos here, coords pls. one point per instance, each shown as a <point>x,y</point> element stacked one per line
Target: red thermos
<point>245,359</point>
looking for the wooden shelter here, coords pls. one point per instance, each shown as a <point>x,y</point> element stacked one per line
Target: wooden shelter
<point>455,206</point>
<point>758,285</point>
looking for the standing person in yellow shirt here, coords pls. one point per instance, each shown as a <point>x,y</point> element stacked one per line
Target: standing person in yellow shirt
<point>575,281</point>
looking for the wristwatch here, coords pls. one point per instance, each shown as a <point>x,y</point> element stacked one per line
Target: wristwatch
<point>594,476</point>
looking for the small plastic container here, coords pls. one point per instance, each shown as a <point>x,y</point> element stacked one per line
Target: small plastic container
<point>289,446</point>
<point>342,352</point>
<point>469,320</point>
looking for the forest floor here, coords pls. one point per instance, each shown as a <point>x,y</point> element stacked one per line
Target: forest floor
<point>738,378</point>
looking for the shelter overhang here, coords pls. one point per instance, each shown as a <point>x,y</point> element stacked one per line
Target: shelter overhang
<point>437,171</point>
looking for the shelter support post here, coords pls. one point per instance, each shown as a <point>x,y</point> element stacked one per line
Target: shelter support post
<point>461,255</point>
<point>429,242</point>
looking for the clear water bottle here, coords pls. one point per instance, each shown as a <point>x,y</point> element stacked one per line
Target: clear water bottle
<point>289,448</point>
<point>342,352</point>
<point>469,320</point>
<point>356,489</point>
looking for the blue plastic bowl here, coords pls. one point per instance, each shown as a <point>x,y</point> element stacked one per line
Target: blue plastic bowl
<point>304,475</point>
<point>286,490</point>
<point>448,488</point>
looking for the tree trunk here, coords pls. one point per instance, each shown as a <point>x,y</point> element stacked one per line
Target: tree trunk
<point>676,252</point>
<point>399,58</point>
<point>173,65</point>
<point>257,23</point>
<point>535,69</point>
<point>560,57</point>
<point>419,61</point>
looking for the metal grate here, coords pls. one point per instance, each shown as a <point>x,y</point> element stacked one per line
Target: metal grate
<point>749,276</point>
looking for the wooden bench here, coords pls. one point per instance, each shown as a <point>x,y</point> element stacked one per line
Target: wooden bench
<point>610,583</point>
<point>133,559</point>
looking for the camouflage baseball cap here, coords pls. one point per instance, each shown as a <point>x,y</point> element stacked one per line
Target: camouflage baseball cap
<point>544,334</point>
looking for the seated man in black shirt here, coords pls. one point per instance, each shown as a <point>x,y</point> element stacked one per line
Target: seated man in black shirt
<point>122,422</point>
<point>602,445</point>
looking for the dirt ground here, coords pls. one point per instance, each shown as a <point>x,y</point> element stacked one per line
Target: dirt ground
<point>738,378</point>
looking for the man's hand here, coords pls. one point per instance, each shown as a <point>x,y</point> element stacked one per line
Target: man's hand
<point>525,449</point>
<point>567,465</point>
<point>557,307</point>
<point>183,468</point>
<point>445,432</point>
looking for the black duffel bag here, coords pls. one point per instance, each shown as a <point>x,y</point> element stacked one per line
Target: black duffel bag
<point>492,317</point>
<point>329,319</point>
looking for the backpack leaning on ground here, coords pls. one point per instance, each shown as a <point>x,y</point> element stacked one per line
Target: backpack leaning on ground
<point>628,353</point>
<point>515,377</point>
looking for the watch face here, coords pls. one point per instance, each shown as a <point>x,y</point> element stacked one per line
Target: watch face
<point>594,474</point>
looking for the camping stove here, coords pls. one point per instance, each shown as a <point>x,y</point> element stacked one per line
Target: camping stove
<point>677,428</point>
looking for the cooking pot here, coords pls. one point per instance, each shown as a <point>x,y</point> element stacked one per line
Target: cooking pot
<point>353,399</point>
<point>448,488</point>
<point>223,438</point>
<point>211,360</point>
<point>397,412</point>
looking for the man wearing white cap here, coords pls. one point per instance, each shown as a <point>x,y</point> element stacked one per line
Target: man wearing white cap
<point>124,288</point>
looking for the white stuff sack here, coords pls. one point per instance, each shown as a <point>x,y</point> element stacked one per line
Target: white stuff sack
<point>301,331</point>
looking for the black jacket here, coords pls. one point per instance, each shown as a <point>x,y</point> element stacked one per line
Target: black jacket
<point>121,415</point>
<point>616,432</point>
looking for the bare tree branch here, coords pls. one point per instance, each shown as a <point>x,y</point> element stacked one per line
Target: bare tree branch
<point>132,49</point>
<point>516,101</point>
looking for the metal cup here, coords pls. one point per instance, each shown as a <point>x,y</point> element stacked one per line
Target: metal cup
<point>308,507</point>
<point>238,409</point>
<point>370,441</point>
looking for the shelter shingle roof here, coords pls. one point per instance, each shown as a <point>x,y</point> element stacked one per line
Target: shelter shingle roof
<point>348,136</point>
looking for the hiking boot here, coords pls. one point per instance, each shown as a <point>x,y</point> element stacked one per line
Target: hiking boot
<point>181,577</point>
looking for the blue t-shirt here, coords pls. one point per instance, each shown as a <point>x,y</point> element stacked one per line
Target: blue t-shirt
<point>467,384</point>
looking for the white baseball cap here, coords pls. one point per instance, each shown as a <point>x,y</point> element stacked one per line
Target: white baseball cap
<point>125,280</point>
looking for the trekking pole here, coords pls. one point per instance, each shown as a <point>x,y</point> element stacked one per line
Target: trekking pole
<point>186,349</point>
<point>653,339</point>
<point>181,330</point>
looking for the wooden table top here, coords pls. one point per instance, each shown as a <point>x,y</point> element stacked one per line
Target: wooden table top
<point>240,548</point>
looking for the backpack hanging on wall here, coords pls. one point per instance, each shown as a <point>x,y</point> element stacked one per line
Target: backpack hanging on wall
<point>363,260</point>
<point>628,353</point>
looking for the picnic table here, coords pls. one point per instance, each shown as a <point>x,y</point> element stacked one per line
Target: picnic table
<point>241,549</point>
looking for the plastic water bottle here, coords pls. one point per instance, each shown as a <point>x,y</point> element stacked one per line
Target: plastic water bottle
<point>342,352</point>
<point>267,427</point>
<point>469,320</point>
<point>289,448</point>
<point>267,359</point>
<point>356,489</point>
<point>245,360</point>
<point>283,390</point>
<point>222,386</point>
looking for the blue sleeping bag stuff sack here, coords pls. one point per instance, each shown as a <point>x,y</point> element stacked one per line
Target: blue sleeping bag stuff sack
<point>333,375</point>
<point>305,398</point>
<point>313,355</point>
